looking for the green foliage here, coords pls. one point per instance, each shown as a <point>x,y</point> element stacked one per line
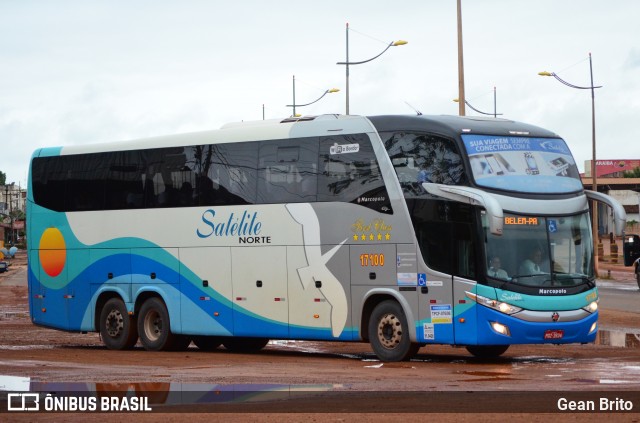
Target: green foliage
<point>635,173</point>
<point>3,177</point>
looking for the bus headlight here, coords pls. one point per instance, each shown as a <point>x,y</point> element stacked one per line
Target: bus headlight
<point>502,307</point>
<point>500,328</point>
<point>594,327</point>
<point>591,308</point>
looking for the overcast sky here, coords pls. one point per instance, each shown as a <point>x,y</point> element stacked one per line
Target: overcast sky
<point>76,72</point>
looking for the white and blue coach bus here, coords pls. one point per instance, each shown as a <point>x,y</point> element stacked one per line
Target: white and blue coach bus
<point>400,231</point>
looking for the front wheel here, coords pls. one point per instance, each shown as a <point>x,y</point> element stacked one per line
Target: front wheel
<point>487,351</point>
<point>117,328</point>
<point>155,330</point>
<point>638,279</point>
<point>389,333</point>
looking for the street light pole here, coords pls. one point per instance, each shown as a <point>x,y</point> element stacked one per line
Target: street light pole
<point>495,114</point>
<point>594,222</point>
<point>294,96</point>
<point>347,62</point>
<point>294,105</point>
<point>461,97</point>
<point>347,71</point>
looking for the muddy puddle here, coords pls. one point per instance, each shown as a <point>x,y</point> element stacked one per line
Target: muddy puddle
<point>623,338</point>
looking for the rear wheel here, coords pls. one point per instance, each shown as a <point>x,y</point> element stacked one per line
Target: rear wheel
<point>245,345</point>
<point>117,328</point>
<point>389,333</point>
<point>154,328</point>
<point>487,351</point>
<point>638,277</point>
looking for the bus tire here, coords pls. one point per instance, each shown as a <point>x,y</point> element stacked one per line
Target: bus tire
<point>245,345</point>
<point>487,351</point>
<point>207,343</point>
<point>118,329</point>
<point>638,277</point>
<point>389,333</point>
<point>154,328</point>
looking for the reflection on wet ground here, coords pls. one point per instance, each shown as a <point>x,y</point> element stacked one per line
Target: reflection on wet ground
<point>619,338</point>
<point>167,393</point>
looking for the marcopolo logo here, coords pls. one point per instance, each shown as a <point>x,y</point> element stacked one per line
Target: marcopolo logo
<point>247,227</point>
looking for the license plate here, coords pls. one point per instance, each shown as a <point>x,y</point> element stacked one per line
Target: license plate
<point>554,334</point>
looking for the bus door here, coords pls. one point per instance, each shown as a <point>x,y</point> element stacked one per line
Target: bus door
<point>260,300</point>
<point>446,236</point>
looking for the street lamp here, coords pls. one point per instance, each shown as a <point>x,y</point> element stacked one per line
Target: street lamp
<point>594,223</point>
<point>495,114</point>
<point>294,105</point>
<point>347,62</point>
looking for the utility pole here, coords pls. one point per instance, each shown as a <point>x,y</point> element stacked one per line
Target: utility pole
<point>462,102</point>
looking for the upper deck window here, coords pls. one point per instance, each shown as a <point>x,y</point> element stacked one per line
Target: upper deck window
<point>419,158</point>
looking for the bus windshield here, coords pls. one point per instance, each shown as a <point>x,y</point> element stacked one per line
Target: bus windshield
<point>541,251</point>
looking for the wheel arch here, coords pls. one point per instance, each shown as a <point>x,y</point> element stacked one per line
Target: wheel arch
<point>375,297</point>
<point>101,300</point>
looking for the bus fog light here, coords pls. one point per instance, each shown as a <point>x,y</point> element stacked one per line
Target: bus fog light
<point>594,327</point>
<point>500,328</point>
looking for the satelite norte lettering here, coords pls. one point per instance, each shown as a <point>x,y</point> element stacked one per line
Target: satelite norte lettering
<point>246,225</point>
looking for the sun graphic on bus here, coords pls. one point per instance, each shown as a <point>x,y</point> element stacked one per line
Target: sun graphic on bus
<point>53,252</point>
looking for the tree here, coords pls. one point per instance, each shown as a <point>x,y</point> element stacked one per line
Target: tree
<point>635,173</point>
<point>3,177</point>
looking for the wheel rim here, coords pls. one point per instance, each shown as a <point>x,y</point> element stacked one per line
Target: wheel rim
<point>114,323</point>
<point>389,331</point>
<point>152,325</point>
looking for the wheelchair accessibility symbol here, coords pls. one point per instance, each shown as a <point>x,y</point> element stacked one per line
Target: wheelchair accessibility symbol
<point>553,226</point>
<point>422,279</point>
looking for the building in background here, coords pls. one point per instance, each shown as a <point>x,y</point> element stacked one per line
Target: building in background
<point>611,180</point>
<point>13,200</point>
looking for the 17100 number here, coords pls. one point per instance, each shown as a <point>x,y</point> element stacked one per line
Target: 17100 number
<point>371,260</point>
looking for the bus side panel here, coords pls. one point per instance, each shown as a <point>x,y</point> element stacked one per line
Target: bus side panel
<point>158,269</point>
<point>465,321</point>
<point>436,309</point>
<point>260,303</point>
<point>78,291</point>
<point>111,267</point>
<point>36,290</point>
<point>318,291</point>
<point>205,284</point>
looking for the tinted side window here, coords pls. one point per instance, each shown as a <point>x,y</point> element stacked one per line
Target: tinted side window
<point>421,158</point>
<point>349,172</point>
<point>287,171</point>
<point>49,177</point>
<point>445,233</point>
<point>123,180</point>
<point>85,184</point>
<point>224,174</point>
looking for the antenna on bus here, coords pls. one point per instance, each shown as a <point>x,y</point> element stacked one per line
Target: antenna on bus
<point>418,112</point>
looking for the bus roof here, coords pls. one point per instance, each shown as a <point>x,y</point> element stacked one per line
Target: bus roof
<point>453,126</point>
<point>306,126</point>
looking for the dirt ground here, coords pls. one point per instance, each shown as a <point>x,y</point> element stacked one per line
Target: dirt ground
<point>46,356</point>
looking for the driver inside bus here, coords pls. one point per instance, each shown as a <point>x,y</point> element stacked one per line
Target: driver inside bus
<point>531,265</point>
<point>495,269</point>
